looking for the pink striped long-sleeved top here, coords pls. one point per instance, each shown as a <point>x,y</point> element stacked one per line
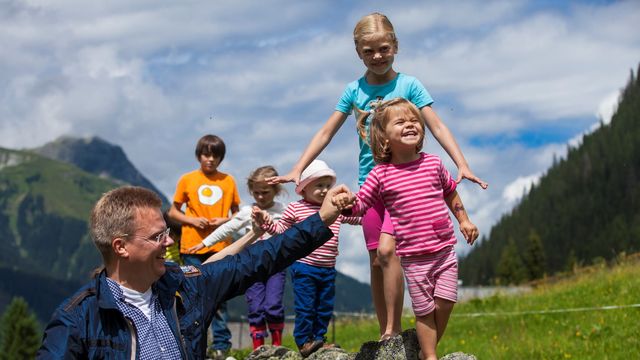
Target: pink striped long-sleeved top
<point>413,193</point>
<point>325,255</point>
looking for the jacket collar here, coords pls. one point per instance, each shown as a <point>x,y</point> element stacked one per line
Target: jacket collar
<point>165,287</point>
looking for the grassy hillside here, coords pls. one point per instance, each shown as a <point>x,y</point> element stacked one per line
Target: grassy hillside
<point>44,207</point>
<point>559,319</point>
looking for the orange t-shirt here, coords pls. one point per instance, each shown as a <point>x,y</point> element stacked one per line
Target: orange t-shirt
<point>205,196</point>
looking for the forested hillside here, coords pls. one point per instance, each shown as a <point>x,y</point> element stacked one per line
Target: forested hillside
<point>584,209</point>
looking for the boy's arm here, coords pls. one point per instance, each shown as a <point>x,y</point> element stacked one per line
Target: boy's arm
<point>319,141</point>
<point>468,229</point>
<point>177,215</point>
<point>441,132</point>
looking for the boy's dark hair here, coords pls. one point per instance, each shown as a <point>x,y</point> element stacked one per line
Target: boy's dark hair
<point>211,145</point>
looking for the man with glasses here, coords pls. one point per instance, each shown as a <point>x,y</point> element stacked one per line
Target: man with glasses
<point>141,307</point>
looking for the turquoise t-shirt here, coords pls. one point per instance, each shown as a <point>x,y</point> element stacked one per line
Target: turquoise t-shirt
<point>360,94</point>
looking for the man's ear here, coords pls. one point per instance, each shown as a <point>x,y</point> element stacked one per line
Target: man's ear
<point>119,247</point>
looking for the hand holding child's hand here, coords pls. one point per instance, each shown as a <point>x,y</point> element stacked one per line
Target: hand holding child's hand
<point>344,201</point>
<point>469,231</point>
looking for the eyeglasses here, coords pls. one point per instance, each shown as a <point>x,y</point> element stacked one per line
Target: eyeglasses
<point>160,238</point>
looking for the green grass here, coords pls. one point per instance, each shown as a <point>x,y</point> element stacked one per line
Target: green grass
<point>592,334</point>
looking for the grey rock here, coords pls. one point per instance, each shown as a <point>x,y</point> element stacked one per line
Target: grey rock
<point>268,352</point>
<point>333,353</point>
<point>458,356</point>
<point>401,347</point>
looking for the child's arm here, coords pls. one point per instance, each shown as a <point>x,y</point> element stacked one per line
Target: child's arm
<point>468,229</point>
<point>219,221</point>
<point>239,245</point>
<point>179,216</point>
<point>235,224</point>
<point>320,140</point>
<point>449,144</point>
<point>287,219</point>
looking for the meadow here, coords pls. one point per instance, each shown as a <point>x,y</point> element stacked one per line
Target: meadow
<point>592,313</point>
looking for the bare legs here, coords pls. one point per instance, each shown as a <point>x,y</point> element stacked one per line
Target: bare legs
<point>387,286</point>
<point>431,327</point>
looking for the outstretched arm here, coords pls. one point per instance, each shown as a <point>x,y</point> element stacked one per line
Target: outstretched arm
<point>237,246</point>
<point>449,144</point>
<point>319,141</point>
<point>468,229</point>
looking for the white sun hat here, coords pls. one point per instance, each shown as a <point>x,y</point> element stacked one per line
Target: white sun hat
<point>315,170</point>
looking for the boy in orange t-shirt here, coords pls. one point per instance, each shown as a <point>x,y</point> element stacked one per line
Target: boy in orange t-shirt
<point>210,198</point>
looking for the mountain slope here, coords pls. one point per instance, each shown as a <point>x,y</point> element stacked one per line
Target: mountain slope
<point>586,207</point>
<point>44,207</point>
<point>96,156</point>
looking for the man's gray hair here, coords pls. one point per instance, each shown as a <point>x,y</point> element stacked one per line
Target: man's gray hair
<point>115,212</point>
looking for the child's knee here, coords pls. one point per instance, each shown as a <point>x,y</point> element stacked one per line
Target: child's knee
<point>386,249</point>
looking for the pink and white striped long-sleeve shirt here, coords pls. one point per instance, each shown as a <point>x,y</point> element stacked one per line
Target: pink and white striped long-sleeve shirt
<point>325,255</point>
<point>413,193</point>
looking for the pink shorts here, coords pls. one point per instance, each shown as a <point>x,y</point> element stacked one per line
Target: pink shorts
<point>430,276</point>
<point>375,221</point>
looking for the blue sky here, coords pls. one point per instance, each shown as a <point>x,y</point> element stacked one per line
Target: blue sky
<point>515,82</point>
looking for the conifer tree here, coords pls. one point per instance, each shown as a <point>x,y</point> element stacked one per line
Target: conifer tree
<point>511,269</point>
<point>534,258</point>
<point>19,332</point>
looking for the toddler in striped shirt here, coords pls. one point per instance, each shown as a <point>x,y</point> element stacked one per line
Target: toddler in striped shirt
<point>416,190</point>
<point>313,277</point>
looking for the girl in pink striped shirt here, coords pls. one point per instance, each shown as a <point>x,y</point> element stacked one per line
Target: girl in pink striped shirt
<point>417,191</point>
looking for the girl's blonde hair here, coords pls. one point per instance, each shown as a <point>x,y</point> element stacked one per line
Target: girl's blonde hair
<point>258,175</point>
<point>374,26</point>
<point>379,114</point>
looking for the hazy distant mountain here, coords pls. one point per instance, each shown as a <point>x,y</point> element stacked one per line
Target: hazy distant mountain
<point>96,156</point>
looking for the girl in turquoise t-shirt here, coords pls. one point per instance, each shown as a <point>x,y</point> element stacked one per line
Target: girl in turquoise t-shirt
<point>376,45</point>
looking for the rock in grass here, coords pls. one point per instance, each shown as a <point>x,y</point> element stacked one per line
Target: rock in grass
<point>268,352</point>
<point>458,356</point>
<point>401,347</point>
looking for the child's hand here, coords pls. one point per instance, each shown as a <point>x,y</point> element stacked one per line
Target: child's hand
<point>344,201</point>
<point>199,222</point>
<point>466,173</point>
<point>215,222</point>
<point>261,217</point>
<point>290,177</point>
<point>195,248</point>
<point>469,231</point>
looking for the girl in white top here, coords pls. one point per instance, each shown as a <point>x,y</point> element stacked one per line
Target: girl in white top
<point>264,299</point>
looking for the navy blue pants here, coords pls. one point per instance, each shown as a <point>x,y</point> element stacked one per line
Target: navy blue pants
<point>264,300</point>
<point>314,290</point>
<point>219,329</point>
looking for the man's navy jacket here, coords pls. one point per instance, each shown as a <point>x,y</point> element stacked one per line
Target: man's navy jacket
<point>90,325</point>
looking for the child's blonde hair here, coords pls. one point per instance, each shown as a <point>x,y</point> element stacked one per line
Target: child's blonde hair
<point>374,25</point>
<point>377,138</point>
<point>258,175</point>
